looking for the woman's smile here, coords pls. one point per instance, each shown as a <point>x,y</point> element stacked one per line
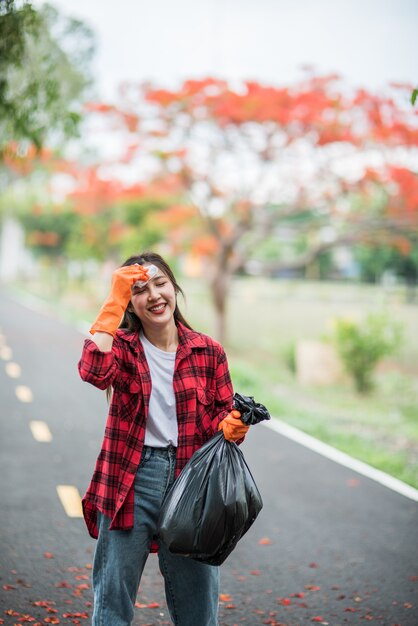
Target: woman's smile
<point>157,309</point>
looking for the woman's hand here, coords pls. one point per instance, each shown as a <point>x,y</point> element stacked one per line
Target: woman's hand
<point>112,311</point>
<point>232,426</point>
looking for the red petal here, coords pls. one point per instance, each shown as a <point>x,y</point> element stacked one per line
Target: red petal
<point>224,597</point>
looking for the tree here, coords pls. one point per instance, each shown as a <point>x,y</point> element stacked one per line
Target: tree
<point>44,75</point>
<point>278,176</point>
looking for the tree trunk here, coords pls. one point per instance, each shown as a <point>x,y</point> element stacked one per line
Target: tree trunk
<point>219,284</point>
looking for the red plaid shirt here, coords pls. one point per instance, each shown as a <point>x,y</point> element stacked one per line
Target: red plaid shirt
<point>203,391</point>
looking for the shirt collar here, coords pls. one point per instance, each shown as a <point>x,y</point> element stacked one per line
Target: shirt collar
<point>188,339</point>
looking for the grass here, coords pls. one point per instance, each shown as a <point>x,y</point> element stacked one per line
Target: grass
<point>266,318</point>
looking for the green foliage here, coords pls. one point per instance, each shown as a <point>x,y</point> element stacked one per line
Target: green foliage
<point>362,345</point>
<point>414,96</point>
<point>43,73</point>
<point>116,232</point>
<point>374,261</point>
<point>289,356</point>
<point>48,232</point>
<point>143,230</point>
<point>135,211</point>
<point>89,239</point>
<point>137,239</point>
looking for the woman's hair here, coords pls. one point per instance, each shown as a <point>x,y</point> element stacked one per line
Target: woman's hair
<point>130,320</point>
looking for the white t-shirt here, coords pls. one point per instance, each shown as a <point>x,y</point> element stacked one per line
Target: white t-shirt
<point>162,428</point>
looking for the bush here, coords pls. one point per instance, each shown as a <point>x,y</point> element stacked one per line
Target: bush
<point>289,356</point>
<point>361,345</point>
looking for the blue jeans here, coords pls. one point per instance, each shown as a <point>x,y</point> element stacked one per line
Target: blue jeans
<point>191,587</point>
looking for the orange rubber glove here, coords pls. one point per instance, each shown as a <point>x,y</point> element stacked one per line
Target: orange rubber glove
<point>113,308</point>
<point>232,426</point>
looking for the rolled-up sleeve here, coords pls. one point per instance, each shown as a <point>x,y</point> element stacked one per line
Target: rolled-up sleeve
<point>224,391</point>
<point>97,367</point>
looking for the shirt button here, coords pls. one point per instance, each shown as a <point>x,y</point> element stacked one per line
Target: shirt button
<point>121,499</point>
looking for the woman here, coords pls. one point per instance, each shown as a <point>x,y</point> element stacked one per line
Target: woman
<point>170,392</point>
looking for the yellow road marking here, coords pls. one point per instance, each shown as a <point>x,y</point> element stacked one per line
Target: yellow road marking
<point>5,353</point>
<point>70,500</point>
<point>23,393</point>
<point>40,431</point>
<point>13,369</point>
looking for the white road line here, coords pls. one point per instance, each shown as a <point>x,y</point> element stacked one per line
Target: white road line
<point>342,458</point>
<point>70,500</point>
<point>13,369</point>
<point>24,394</point>
<point>40,431</point>
<point>5,353</point>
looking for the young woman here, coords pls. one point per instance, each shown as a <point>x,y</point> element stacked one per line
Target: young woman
<point>170,392</point>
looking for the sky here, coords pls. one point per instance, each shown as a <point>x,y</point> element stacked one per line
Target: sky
<point>368,42</point>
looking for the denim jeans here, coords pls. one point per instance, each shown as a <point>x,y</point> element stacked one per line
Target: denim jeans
<point>191,587</point>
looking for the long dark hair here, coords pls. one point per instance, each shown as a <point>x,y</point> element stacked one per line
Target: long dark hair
<point>130,320</point>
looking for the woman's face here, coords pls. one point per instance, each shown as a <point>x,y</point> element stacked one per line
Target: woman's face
<point>155,303</point>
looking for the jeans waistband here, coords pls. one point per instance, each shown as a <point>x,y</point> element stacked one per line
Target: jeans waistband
<point>170,449</point>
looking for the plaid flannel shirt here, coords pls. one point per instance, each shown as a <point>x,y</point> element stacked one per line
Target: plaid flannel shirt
<point>203,391</point>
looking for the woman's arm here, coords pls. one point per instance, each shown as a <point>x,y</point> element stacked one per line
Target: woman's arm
<point>98,363</point>
<point>96,366</point>
<point>224,390</point>
<point>226,419</point>
<point>103,341</point>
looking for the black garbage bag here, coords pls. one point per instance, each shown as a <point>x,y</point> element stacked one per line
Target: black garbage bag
<point>214,500</point>
<point>251,412</point>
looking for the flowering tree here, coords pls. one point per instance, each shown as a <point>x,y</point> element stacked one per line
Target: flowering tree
<point>70,210</point>
<point>268,178</point>
<point>277,175</point>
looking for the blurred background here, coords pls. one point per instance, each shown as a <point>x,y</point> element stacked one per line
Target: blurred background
<point>269,151</point>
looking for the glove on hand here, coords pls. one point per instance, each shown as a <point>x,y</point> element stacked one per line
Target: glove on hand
<point>232,426</point>
<point>111,313</point>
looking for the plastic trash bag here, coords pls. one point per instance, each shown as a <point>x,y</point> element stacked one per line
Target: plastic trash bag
<point>251,412</point>
<point>212,504</point>
<point>214,500</point>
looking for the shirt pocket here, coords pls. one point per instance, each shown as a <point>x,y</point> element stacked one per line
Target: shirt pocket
<point>205,403</point>
<point>128,397</point>
<point>127,383</point>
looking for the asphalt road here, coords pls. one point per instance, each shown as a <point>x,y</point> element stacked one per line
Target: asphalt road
<point>329,547</point>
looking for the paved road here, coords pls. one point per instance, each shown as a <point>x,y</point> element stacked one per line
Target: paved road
<point>335,546</point>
